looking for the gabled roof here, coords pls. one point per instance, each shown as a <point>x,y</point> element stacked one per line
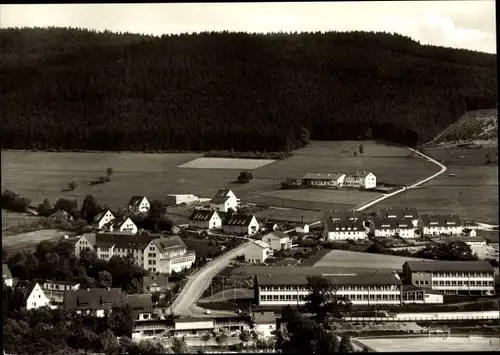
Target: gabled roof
<point>261,244</point>
<point>93,299</point>
<point>161,280</point>
<point>449,266</point>
<point>219,199</point>
<point>393,223</point>
<point>119,221</point>
<point>322,176</point>
<point>202,215</point>
<point>166,244</point>
<point>337,225</point>
<point>441,220</point>
<point>135,241</point>
<point>140,303</point>
<point>101,215</point>
<point>343,214</point>
<point>25,287</point>
<point>408,212</point>
<point>238,220</point>
<point>264,318</point>
<point>91,238</point>
<point>60,214</point>
<point>135,200</point>
<point>276,235</point>
<point>222,192</point>
<point>357,174</point>
<point>6,274</point>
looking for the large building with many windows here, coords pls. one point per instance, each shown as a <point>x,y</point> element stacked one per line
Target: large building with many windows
<point>361,289</point>
<point>452,277</point>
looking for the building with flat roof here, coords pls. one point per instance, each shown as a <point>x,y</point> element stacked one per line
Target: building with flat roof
<point>361,289</point>
<point>452,277</point>
<point>415,294</point>
<point>192,326</point>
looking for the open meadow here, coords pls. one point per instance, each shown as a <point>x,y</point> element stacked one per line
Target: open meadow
<point>31,239</point>
<point>14,219</point>
<point>419,344</point>
<point>472,193</point>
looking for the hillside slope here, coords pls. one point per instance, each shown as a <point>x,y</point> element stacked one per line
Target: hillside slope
<point>83,90</point>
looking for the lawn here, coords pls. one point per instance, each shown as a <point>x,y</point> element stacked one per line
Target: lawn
<point>472,193</point>
<point>200,246</point>
<point>14,219</point>
<point>352,259</point>
<point>418,344</point>
<point>226,163</point>
<point>31,239</point>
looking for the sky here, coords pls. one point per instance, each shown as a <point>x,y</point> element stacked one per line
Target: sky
<point>457,24</point>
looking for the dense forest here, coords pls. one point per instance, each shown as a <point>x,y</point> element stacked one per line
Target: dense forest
<point>79,89</point>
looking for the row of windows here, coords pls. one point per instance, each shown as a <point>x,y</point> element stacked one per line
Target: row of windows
<point>413,296</point>
<point>151,262</point>
<point>104,256</point>
<point>127,250</point>
<point>152,269</point>
<point>355,297</point>
<point>151,255</point>
<point>463,283</point>
<point>462,274</point>
<point>339,288</point>
<point>182,260</point>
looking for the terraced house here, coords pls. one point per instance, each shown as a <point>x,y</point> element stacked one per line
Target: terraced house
<point>442,224</point>
<point>401,213</point>
<point>122,225</point>
<point>240,224</point>
<point>391,227</point>
<point>452,277</point>
<point>344,230</point>
<point>205,219</point>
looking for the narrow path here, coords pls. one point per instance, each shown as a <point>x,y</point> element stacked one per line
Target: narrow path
<point>443,169</point>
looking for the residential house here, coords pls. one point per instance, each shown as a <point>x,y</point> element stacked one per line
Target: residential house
<point>271,226</point>
<point>54,289</point>
<point>401,213</point>
<point>344,230</point>
<point>7,275</point>
<point>277,240</point>
<point>33,295</point>
<point>240,224</point>
<point>363,180</point>
<point>264,323</point>
<point>257,252</point>
<point>94,301</point>
<point>224,200</point>
<point>469,232</point>
<point>415,294</point>
<point>442,225</point>
<point>452,277</point>
<point>392,227</point>
<point>338,215</point>
<point>85,241</point>
<point>101,219</point>
<point>166,255</point>
<point>205,219</point>
<point>138,204</point>
<point>142,306</point>
<point>156,283</point>
<point>61,216</point>
<point>122,225</point>
<point>323,180</point>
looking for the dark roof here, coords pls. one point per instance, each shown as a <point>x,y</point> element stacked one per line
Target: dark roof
<point>337,225</point>
<point>342,215</point>
<point>411,287</point>
<point>449,266</point>
<point>93,299</point>
<point>119,221</point>
<point>222,192</point>
<point>441,220</point>
<point>359,279</point>
<point>431,291</point>
<point>25,287</point>
<point>322,176</point>
<point>137,241</point>
<point>140,303</point>
<point>238,220</point>
<point>264,318</point>
<point>135,200</point>
<point>409,212</point>
<point>219,199</point>
<point>100,216</point>
<point>6,274</point>
<point>161,280</point>
<point>60,214</point>
<point>359,174</point>
<point>393,223</point>
<point>202,215</point>
<point>174,242</point>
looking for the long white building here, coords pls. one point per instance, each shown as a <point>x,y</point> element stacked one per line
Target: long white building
<point>442,224</point>
<point>364,180</point>
<point>344,230</point>
<point>391,227</point>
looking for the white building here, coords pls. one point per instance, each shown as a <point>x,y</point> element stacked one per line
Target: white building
<point>166,255</point>
<point>364,180</point>
<point>7,275</point>
<point>392,227</point>
<point>122,225</point>
<point>240,224</point>
<point>94,301</point>
<point>205,219</point>
<point>442,225</point>
<point>277,240</point>
<point>102,219</point>
<point>414,294</point>
<point>84,241</point>
<point>264,323</point>
<point>54,289</point>
<point>224,200</point>
<point>33,295</point>
<point>257,252</point>
<point>138,204</point>
<point>361,289</point>
<point>452,277</point>
<point>400,213</point>
<point>177,199</point>
<point>469,232</point>
<point>302,229</point>
<point>344,230</point>
<point>323,180</point>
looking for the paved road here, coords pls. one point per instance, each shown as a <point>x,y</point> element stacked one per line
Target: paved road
<point>423,181</point>
<point>185,303</point>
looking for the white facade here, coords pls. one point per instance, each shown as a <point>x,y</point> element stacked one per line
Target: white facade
<point>407,233</point>
<point>472,233</point>
<point>347,234</point>
<point>128,226</point>
<point>228,204</point>
<point>433,298</point>
<point>265,330</point>
<point>277,241</point>
<point>83,243</point>
<point>245,229</point>
<point>8,282</point>
<point>438,230</point>
<point>141,207</point>
<point>177,199</point>
<point>257,252</point>
<point>54,290</point>
<point>165,261</point>
<point>105,219</point>
<point>37,298</point>
<point>363,180</point>
<point>324,180</point>
<point>476,243</point>
<point>213,222</point>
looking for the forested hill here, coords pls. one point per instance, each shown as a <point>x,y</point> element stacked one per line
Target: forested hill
<point>78,89</point>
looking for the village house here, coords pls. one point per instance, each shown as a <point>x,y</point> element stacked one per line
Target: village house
<point>122,225</point>
<point>469,232</point>
<point>415,294</point>
<point>303,228</point>
<point>392,227</point>
<point>364,180</point>
<point>452,277</point>
<point>277,240</point>
<point>401,213</point>
<point>264,323</point>
<point>33,295</point>
<point>270,226</point>
<point>337,215</point>
<point>84,241</point>
<point>240,224</point>
<point>257,252</point>
<point>344,230</point>
<point>166,255</point>
<point>224,200</point>
<point>101,219</point>
<point>54,289</point>
<point>156,283</point>
<point>205,219</point>
<point>94,301</point>
<point>7,275</point>
<point>178,199</point>
<point>61,216</point>
<point>142,306</point>
<point>442,225</point>
<point>323,180</point>
<point>138,204</point>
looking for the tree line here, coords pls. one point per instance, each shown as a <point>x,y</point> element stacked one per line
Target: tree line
<point>221,91</point>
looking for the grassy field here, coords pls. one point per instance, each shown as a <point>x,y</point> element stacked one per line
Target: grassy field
<point>474,343</point>
<point>472,193</point>
<point>226,163</point>
<point>31,239</point>
<point>345,258</point>
<point>14,219</point>
<point>39,175</point>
